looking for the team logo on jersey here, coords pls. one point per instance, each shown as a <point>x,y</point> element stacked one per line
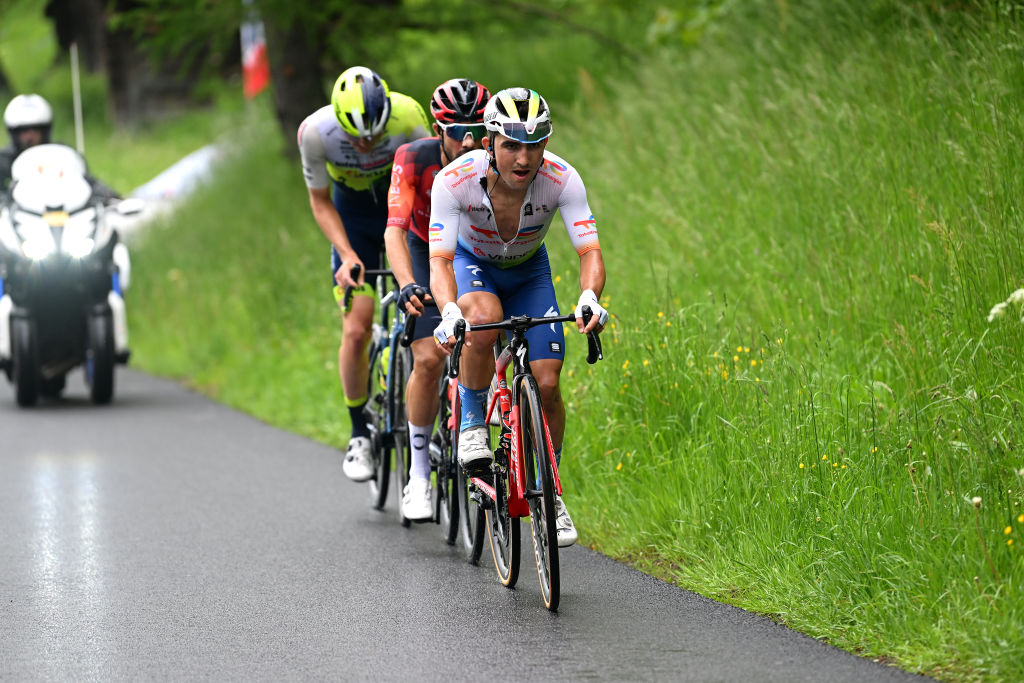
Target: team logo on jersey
<point>462,169</point>
<point>435,229</point>
<point>589,224</point>
<point>555,167</point>
<point>485,232</point>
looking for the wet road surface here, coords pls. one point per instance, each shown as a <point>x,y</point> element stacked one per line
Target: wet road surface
<point>169,537</point>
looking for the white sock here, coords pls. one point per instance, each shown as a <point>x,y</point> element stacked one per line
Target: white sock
<point>420,438</point>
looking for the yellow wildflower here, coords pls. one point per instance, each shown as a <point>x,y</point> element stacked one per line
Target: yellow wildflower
<point>824,457</point>
<point>660,314</point>
<point>558,278</point>
<point>738,349</point>
<point>1008,530</point>
<point>753,363</point>
<point>1021,519</point>
<point>618,467</point>
<point>626,364</point>
<point>735,359</point>
<point>646,362</point>
<point>801,465</point>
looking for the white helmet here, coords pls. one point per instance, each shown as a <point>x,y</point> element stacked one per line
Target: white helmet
<point>518,113</point>
<point>28,111</point>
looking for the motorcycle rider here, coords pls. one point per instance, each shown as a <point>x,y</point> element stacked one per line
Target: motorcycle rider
<point>29,119</point>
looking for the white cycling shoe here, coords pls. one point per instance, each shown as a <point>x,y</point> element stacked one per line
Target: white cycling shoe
<point>564,527</point>
<point>358,465</point>
<point>417,503</point>
<point>474,453</point>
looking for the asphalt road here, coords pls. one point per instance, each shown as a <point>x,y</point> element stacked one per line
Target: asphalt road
<point>169,537</point>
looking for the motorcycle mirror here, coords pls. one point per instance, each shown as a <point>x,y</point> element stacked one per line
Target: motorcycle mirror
<point>130,206</point>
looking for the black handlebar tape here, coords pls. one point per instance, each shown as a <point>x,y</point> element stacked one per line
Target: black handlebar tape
<point>594,350</point>
<point>460,338</point>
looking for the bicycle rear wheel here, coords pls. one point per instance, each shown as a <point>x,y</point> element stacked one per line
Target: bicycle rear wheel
<point>503,531</point>
<point>399,426</point>
<point>540,493</point>
<point>447,466</point>
<point>376,417</point>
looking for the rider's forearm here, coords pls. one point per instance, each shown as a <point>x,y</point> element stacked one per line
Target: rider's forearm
<point>592,274</point>
<point>442,281</point>
<point>326,216</point>
<point>398,255</point>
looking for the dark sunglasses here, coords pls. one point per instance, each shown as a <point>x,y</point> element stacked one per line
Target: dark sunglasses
<point>459,131</point>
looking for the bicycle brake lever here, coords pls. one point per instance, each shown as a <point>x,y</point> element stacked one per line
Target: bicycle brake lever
<point>460,338</point>
<point>410,330</point>
<point>594,350</point>
<point>354,273</point>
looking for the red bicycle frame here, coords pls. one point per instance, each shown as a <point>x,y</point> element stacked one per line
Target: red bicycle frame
<point>512,439</point>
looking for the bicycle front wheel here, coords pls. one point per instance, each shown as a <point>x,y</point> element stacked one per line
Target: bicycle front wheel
<point>540,490</point>
<point>399,378</point>
<point>503,531</point>
<point>377,419</point>
<point>447,466</point>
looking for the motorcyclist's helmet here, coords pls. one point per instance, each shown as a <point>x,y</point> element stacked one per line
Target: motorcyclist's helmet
<point>520,114</point>
<point>28,111</point>
<point>362,102</point>
<point>459,100</point>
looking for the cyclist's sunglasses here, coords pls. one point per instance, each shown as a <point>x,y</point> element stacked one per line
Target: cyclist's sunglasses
<point>518,131</point>
<point>459,131</point>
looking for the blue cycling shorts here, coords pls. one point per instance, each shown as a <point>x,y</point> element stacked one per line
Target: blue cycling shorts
<point>364,220</point>
<point>525,289</point>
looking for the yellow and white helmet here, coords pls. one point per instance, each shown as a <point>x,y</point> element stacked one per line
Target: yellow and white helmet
<point>362,102</point>
<point>520,114</point>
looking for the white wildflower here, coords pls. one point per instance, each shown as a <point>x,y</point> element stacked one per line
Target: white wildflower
<point>997,311</point>
<point>976,502</point>
<point>1017,298</point>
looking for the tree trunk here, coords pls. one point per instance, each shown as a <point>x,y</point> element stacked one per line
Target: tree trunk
<point>295,77</point>
<point>83,22</point>
<point>6,89</point>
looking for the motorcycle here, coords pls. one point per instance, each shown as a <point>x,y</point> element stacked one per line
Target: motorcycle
<point>63,272</point>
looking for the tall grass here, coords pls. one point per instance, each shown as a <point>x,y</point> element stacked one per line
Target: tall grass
<point>802,394</point>
<point>806,222</point>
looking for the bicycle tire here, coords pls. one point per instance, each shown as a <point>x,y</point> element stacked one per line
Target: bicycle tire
<point>503,532</point>
<point>376,416</point>
<point>537,461</point>
<point>399,378</point>
<point>447,466</point>
<point>472,520</point>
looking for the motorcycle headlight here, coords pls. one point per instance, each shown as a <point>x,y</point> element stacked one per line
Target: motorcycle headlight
<point>36,237</point>
<point>78,240</point>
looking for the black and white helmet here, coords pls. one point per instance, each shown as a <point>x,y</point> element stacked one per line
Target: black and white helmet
<point>28,111</point>
<point>520,114</point>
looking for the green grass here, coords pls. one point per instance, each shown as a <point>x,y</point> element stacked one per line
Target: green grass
<point>806,222</point>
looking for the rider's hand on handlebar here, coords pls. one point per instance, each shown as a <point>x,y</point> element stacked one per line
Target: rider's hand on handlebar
<point>343,276</point>
<point>597,323</point>
<point>445,332</point>
<point>412,299</point>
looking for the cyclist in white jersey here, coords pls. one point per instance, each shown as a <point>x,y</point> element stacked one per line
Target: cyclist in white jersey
<point>347,149</point>
<point>490,212</point>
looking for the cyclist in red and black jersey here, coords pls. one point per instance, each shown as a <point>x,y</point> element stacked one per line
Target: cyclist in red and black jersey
<point>458,109</point>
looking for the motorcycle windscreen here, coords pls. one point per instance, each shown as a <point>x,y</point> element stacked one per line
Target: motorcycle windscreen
<point>49,177</point>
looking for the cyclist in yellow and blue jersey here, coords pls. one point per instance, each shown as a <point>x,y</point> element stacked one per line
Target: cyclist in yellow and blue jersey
<point>347,149</point>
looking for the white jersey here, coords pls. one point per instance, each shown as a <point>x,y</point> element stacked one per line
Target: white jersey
<point>461,212</point>
<point>328,153</point>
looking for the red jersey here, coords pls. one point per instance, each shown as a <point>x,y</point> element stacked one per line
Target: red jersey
<point>412,176</point>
